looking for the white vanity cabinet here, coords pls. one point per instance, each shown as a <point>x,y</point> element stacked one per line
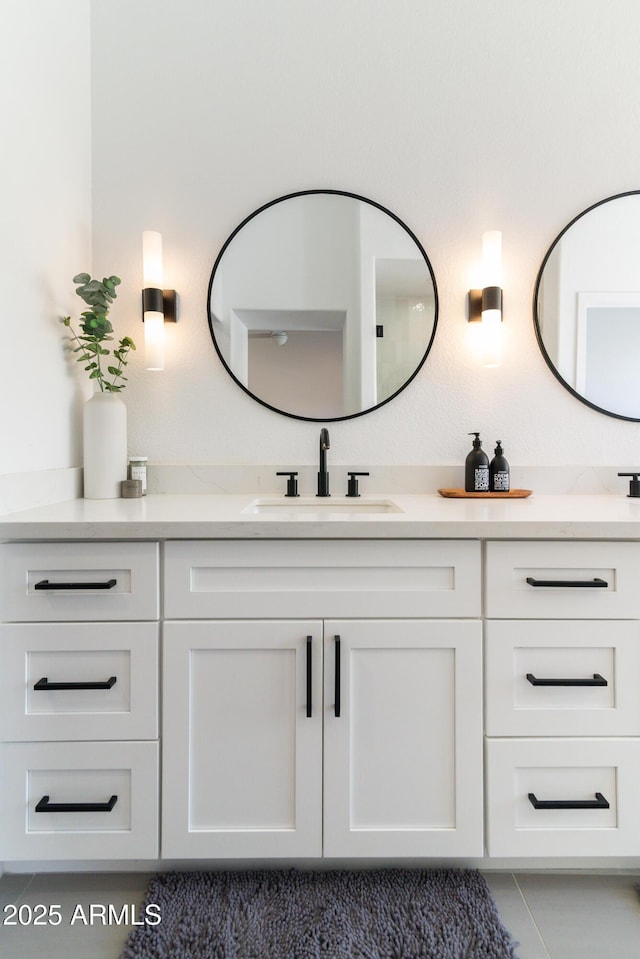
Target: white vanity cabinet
<point>351,729</point>
<point>320,697</point>
<point>562,648</point>
<point>79,693</point>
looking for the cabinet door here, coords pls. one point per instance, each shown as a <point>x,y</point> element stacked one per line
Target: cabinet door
<point>242,739</point>
<point>403,738</point>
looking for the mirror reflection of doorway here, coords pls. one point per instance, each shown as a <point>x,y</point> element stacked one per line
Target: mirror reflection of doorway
<point>302,373</point>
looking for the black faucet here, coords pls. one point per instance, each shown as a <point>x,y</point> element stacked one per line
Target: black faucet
<point>323,475</point>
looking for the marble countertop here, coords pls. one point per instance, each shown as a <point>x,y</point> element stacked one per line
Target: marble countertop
<point>189,516</point>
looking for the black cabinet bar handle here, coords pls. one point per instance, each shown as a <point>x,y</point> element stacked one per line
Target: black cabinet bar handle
<point>337,678</point>
<point>597,680</point>
<point>598,803</point>
<point>45,584</point>
<point>45,806</point>
<point>309,675</point>
<point>570,582</point>
<point>45,684</point>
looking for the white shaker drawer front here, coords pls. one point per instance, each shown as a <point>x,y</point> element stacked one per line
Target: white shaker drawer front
<point>322,578</point>
<point>46,582</point>
<point>79,801</point>
<point>563,797</point>
<point>562,678</point>
<point>558,580</point>
<point>79,681</point>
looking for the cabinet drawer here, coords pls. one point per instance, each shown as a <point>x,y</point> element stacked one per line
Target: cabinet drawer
<point>46,582</point>
<point>79,775</point>
<point>557,580</point>
<point>562,678</point>
<point>603,774</point>
<point>110,671</point>
<point>322,578</point>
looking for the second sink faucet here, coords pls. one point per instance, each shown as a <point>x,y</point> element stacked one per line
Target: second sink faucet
<point>323,475</point>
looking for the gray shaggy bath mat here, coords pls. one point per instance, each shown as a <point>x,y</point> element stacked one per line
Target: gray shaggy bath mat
<point>373,914</point>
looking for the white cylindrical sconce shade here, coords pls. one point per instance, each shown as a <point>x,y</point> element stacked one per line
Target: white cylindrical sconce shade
<point>491,338</point>
<point>152,259</point>
<point>154,340</point>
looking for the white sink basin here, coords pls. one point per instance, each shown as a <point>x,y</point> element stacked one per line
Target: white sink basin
<point>321,506</point>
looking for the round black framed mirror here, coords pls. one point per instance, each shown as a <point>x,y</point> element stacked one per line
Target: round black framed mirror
<point>587,306</point>
<point>322,305</point>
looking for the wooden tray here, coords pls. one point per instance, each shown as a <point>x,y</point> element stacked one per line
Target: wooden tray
<point>462,494</point>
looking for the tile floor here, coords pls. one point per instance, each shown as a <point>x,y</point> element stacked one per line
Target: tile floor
<point>552,916</point>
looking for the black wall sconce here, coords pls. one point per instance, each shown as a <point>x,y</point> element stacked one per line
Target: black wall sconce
<point>158,306</point>
<point>485,305</point>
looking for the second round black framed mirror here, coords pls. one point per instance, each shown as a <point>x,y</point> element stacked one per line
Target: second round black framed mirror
<point>587,306</point>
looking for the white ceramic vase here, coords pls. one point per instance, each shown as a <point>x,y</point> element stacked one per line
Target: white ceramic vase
<point>104,430</point>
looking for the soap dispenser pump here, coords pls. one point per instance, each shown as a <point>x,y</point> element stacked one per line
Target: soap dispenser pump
<point>499,479</point>
<point>476,468</point>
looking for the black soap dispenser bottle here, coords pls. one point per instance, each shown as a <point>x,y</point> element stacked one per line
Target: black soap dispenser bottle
<point>499,481</point>
<point>476,468</point>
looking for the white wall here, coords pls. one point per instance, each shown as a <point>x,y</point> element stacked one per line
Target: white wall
<point>45,226</point>
<point>459,116</point>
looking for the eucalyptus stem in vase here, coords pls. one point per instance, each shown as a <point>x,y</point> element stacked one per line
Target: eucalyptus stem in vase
<point>96,329</point>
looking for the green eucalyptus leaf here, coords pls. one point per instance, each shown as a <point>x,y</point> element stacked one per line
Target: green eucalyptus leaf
<point>81,278</point>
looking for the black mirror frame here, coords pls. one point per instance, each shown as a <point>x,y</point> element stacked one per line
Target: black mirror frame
<point>354,196</point>
<point>536,319</point>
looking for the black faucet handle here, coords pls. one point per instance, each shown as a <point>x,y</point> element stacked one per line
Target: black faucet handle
<point>292,482</point>
<point>352,485</point>
<point>634,483</point>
